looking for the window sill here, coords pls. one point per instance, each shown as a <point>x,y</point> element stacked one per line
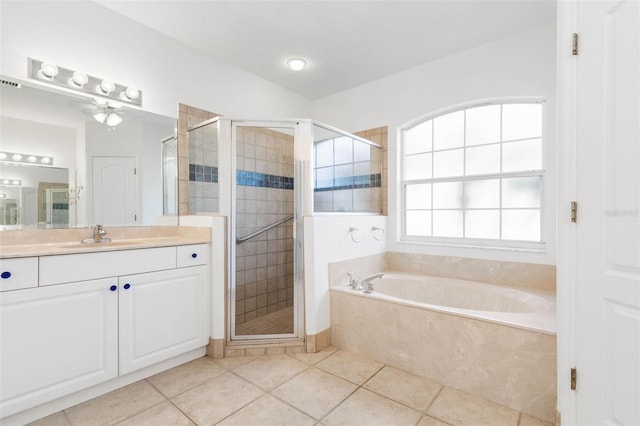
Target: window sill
<point>537,248</point>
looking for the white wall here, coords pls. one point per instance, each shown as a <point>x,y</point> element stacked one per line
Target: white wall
<point>520,65</point>
<point>85,35</point>
<point>327,239</point>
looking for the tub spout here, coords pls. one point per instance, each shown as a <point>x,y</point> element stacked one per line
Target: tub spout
<point>367,282</point>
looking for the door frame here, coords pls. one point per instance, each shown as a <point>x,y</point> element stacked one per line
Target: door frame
<point>299,206</point>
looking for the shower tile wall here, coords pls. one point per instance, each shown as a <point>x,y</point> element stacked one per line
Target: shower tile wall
<point>352,181</point>
<point>188,116</point>
<point>203,169</point>
<point>379,135</point>
<point>264,194</point>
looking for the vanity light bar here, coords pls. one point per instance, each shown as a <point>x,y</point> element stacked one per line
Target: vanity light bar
<point>10,182</point>
<point>16,157</point>
<point>81,82</point>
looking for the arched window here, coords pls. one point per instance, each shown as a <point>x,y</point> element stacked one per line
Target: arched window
<point>474,176</point>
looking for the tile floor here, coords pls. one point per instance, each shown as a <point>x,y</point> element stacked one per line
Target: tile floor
<point>278,322</point>
<point>328,388</point>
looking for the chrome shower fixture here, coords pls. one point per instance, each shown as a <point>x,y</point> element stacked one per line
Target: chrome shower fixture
<point>80,82</point>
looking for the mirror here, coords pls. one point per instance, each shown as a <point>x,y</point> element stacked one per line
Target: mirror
<point>98,174</point>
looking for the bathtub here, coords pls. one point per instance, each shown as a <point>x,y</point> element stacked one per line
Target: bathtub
<point>492,341</point>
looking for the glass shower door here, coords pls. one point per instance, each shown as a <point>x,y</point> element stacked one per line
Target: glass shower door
<point>265,293</point>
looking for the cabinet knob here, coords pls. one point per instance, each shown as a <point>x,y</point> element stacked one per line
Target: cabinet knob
<point>127,286</point>
<point>5,275</point>
<point>194,255</point>
<point>113,288</point>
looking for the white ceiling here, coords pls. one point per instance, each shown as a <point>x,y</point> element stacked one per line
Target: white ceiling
<point>347,43</point>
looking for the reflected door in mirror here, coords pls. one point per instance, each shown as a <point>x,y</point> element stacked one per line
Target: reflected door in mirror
<point>115,191</point>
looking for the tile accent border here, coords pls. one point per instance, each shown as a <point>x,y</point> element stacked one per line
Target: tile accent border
<point>351,182</point>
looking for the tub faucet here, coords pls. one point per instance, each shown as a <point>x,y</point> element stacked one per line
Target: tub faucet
<point>366,283</point>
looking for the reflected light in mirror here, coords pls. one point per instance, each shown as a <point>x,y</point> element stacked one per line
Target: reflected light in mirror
<point>15,157</point>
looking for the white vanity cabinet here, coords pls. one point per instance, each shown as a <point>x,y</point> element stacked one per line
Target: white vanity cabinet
<point>97,316</point>
<point>56,340</point>
<point>162,314</point>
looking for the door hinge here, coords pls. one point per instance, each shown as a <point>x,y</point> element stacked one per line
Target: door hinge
<point>574,44</point>
<point>135,217</point>
<point>573,378</point>
<point>135,170</point>
<point>574,211</point>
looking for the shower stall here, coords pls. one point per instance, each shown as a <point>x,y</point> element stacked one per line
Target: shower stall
<point>265,176</point>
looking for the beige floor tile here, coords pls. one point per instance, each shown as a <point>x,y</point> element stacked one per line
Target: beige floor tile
<point>430,421</point>
<point>269,371</point>
<point>186,376</point>
<point>216,399</point>
<point>268,411</point>
<point>314,357</point>
<point>352,367</point>
<point>161,414</point>
<point>234,362</point>
<point>314,391</point>
<point>526,420</point>
<point>115,406</point>
<point>367,408</point>
<point>57,419</point>
<point>461,409</point>
<point>406,388</point>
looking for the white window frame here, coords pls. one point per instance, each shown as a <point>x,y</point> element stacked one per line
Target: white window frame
<point>516,245</point>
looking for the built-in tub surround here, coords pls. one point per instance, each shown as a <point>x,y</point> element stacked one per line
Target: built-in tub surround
<point>473,344</point>
<point>43,242</point>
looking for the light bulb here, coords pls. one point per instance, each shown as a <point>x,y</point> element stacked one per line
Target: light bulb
<point>107,87</point>
<point>16,157</point>
<point>113,120</point>
<point>45,160</point>
<point>5,181</point>
<point>32,159</point>
<point>3,156</point>
<point>100,117</point>
<point>297,64</point>
<point>48,71</point>
<point>78,79</point>
<point>16,182</point>
<point>3,195</point>
<point>131,93</point>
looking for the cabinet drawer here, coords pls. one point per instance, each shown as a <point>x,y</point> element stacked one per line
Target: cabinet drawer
<point>90,266</point>
<point>18,273</point>
<point>196,254</point>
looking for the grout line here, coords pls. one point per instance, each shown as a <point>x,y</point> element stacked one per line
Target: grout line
<point>146,409</point>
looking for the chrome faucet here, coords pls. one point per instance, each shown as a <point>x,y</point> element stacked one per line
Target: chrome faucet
<point>353,282</point>
<point>366,283</point>
<point>98,236</point>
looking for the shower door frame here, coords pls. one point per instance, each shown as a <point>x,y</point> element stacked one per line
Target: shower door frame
<point>301,138</point>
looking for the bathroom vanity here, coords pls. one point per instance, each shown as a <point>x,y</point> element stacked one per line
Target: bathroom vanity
<point>74,316</point>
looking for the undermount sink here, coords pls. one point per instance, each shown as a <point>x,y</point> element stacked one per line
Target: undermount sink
<point>105,244</point>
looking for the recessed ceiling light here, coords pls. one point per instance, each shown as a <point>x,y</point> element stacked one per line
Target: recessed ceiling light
<point>297,64</point>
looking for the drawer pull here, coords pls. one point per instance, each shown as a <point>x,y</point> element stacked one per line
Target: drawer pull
<point>113,288</point>
<point>194,255</point>
<point>5,275</point>
<point>127,286</point>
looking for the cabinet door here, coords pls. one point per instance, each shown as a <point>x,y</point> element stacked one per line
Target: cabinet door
<point>56,340</point>
<point>162,314</point>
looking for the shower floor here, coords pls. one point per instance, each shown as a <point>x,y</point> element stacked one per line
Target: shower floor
<point>279,322</point>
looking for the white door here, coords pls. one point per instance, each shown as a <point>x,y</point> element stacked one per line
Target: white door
<point>162,314</point>
<point>608,227</point>
<point>56,340</point>
<point>115,191</point>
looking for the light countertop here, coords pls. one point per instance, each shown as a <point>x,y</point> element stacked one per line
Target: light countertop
<point>48,242</point>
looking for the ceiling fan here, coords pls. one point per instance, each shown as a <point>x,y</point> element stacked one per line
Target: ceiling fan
<point>105,112</point>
